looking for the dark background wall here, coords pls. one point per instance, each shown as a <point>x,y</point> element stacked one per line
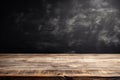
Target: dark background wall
<point>50,26</point>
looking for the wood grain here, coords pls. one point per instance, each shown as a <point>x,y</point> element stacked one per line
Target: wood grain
<point>61,65</point>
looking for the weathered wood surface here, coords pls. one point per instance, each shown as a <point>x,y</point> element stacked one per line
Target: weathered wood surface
<point>59,78</point>
<point>64,65</point>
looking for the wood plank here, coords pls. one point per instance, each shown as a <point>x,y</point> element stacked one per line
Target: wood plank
<point>59,78</point>
<point>61,65</point>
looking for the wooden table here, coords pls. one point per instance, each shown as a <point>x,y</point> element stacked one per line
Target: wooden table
<point>60,66</point>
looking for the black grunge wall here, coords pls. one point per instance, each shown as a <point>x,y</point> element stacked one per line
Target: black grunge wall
<point>62,26</point>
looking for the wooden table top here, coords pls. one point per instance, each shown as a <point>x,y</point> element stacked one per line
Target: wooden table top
<point>48,65</point>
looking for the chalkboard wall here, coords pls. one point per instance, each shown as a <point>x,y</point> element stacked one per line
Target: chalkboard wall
<point>60,26</point>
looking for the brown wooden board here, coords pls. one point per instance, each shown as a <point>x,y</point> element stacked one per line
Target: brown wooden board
<point>59,78</point>
<point>61,66</point>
